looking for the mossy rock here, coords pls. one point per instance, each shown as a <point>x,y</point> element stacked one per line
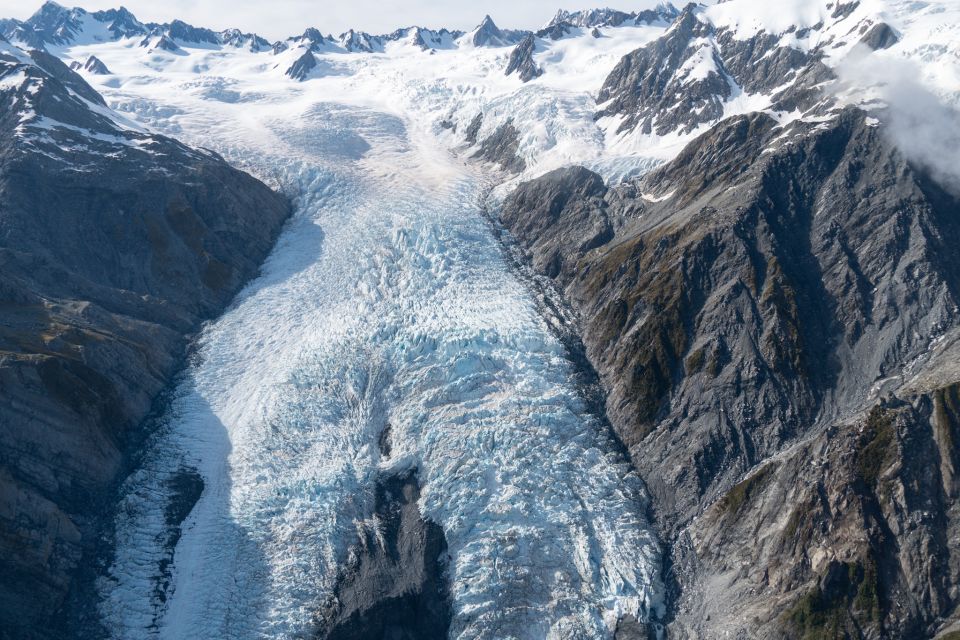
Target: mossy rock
<point>742,492</point>
<point>875,444</point>
<point>846,601</point>
<point>947,420</point>
<point>798,525</point>
<point>694,361</point>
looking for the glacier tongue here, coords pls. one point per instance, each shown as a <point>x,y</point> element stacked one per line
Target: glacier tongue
<point>386,302</point>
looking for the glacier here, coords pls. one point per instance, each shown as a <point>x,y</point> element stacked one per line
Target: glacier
<point>387,302</point>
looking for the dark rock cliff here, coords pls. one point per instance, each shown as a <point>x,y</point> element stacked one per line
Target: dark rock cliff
<point>114,246</point>
<point>302,67</point>
<point>501,147</point>
<point>755,309</point>
<point>394,586</point>
<point>521,60</point>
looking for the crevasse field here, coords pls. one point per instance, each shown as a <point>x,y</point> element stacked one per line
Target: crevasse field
<point>386,302</point>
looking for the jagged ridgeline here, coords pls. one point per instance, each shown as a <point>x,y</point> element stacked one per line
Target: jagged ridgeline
<point>641,324</point>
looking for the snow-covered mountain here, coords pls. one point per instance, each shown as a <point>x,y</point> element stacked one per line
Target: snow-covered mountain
<point>488,34</point>
<point>715,67</point>
<point>725,228</point>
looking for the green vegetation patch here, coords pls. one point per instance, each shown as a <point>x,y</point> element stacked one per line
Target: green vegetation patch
<point>846,600</point>
<point>875,444</point>
<point>947,417</point>
<point>742,492</point>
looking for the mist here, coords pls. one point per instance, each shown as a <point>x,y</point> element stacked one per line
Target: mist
<point>922,124</point>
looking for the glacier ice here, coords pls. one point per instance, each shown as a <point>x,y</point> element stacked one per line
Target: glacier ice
<point>386,301</point>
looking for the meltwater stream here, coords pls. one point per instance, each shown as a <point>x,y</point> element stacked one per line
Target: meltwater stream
<point>386,302</point>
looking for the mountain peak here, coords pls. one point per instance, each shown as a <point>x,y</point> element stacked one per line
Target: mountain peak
<point>50,12</point>
<point>54,23</point>
<point>488,34</point>
<point>50,5</point>
<point>302,66</point>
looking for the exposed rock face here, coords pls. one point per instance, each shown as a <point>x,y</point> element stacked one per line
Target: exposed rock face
<point>473,129</point>
<point>359,41</point>
<point>587,18</point>
<point>565,22</point>
<point>880,36</point>
<point>122,23</point>
<point>747,306</point>
<point>424,39</point>
<point>501,147</point>
<point>869,541</point>
<point>645,83</point>
<point>488,34</point>
<point>115,246</point>
<point>311,39</point>
<point>248,41</point>
<point>302,66</point>
<point>521,60</point>
<point>161,42</point>
<point>691,76</point>
<point>394,586</point>
<point>56,25</point>
<point>95,66</point>
<point>681,80</point>
<point>180,31</point>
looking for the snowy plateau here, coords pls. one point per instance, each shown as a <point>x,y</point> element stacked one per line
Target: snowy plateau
<point>389,307</point>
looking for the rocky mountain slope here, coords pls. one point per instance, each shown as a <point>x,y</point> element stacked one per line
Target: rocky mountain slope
<point>772,314</point>
<point>115,245</point>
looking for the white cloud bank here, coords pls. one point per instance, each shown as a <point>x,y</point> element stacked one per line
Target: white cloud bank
<point>922,124</point>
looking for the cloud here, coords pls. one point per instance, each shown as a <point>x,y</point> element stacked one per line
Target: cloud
<point>923,126</point>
